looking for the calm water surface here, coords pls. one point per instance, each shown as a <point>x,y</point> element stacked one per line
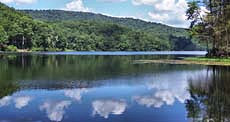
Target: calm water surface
<point>105,87</point>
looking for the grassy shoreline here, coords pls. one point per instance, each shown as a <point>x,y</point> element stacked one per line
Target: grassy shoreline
<point>190,60</point>
<point>207,59</point>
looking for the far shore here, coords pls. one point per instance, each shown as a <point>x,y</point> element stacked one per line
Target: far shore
<point>114,53</point>
<point>198,58</point>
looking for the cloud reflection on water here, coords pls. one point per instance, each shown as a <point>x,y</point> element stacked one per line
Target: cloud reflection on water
<point>55,110</point>
<point>22,101</point>
<point>19,101</point>
<point>106,107</point>
<point>160,98</point>
<point>5,101</point>
<point>159,90</point>
<point>166,88</point>
<point>75,94</point>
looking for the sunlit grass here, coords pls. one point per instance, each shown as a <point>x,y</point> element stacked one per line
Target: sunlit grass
<point>191,60</point>
<point>208,59</point>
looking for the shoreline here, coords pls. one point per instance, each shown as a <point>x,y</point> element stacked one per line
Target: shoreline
<point>116,53</point>
<point>187,61</point>
<point>196,57</point>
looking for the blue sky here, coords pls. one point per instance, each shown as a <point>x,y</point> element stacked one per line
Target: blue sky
<point>170,12</point>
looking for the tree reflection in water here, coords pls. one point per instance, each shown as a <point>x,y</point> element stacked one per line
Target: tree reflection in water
<point>210,96</point>
<point>7,88</point>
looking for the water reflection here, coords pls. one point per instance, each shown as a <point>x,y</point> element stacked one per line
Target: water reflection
<point>58,72</point>
<point>22,101</point>
<point>55,110</point>
<point>110,88</point>
<point>210,96</point>
<point>7,88</point>
<point>106,107</point>
<point>5,101</point>
<point>75,94</point>
<point>166,88</point>
<point>19,101</point>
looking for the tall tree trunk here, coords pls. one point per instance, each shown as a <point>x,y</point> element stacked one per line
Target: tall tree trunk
<point>23,42</point>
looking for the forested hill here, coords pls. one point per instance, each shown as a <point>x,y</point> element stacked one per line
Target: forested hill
<point>55,31</point>
<point>60,15</point>
<point>18,30</point>
<point>177,37</point>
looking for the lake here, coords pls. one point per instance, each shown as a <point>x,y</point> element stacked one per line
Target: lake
<point>110,87</point>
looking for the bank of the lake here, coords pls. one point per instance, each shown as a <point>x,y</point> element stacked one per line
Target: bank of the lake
<point>191,60</point>
<point>115,53</point>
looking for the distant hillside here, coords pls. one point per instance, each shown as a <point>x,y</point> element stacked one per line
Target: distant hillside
<point>178,37</point>
<point>55,30</point>
<point>60,15</point>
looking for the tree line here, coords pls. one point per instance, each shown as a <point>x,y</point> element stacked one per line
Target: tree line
<point>211,26</point>
<point>20,31</point>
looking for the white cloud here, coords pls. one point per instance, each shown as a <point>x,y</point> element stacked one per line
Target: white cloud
<point>144,2</point>
<point>75,94</point>
<point>171,12</point>
<point>19,1</point>
<point>158,17</point>
<point>133,17</point>
<point>22,101</point>
<point>6,1</point>
<point>106,107</point>
<point>111,1</point>
<point>25,1</point>
<point>163,5</point>
<point>204,11</point>
<point>76,5</point>
<point>55,110</point>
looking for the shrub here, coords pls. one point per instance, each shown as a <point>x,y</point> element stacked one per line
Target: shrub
<point>53,49</point>
<point>35,49</point>
<point>11,48</point>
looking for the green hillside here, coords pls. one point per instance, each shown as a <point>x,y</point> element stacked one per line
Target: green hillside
<point>60,15</point>
<point>177,37</point>
<point>18,30</point>
<point>56,30</point>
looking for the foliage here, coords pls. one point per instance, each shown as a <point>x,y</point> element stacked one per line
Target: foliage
<point>61,30</point>
<point>22,31</point>
<point>171,35</point>
<point>3,36</point>
<point>11,48</point>
<point>213,28</point>
<point>59,15</point>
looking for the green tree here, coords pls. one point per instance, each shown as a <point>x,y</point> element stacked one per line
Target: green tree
<point>214,26</point>
<point>3,38</point>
